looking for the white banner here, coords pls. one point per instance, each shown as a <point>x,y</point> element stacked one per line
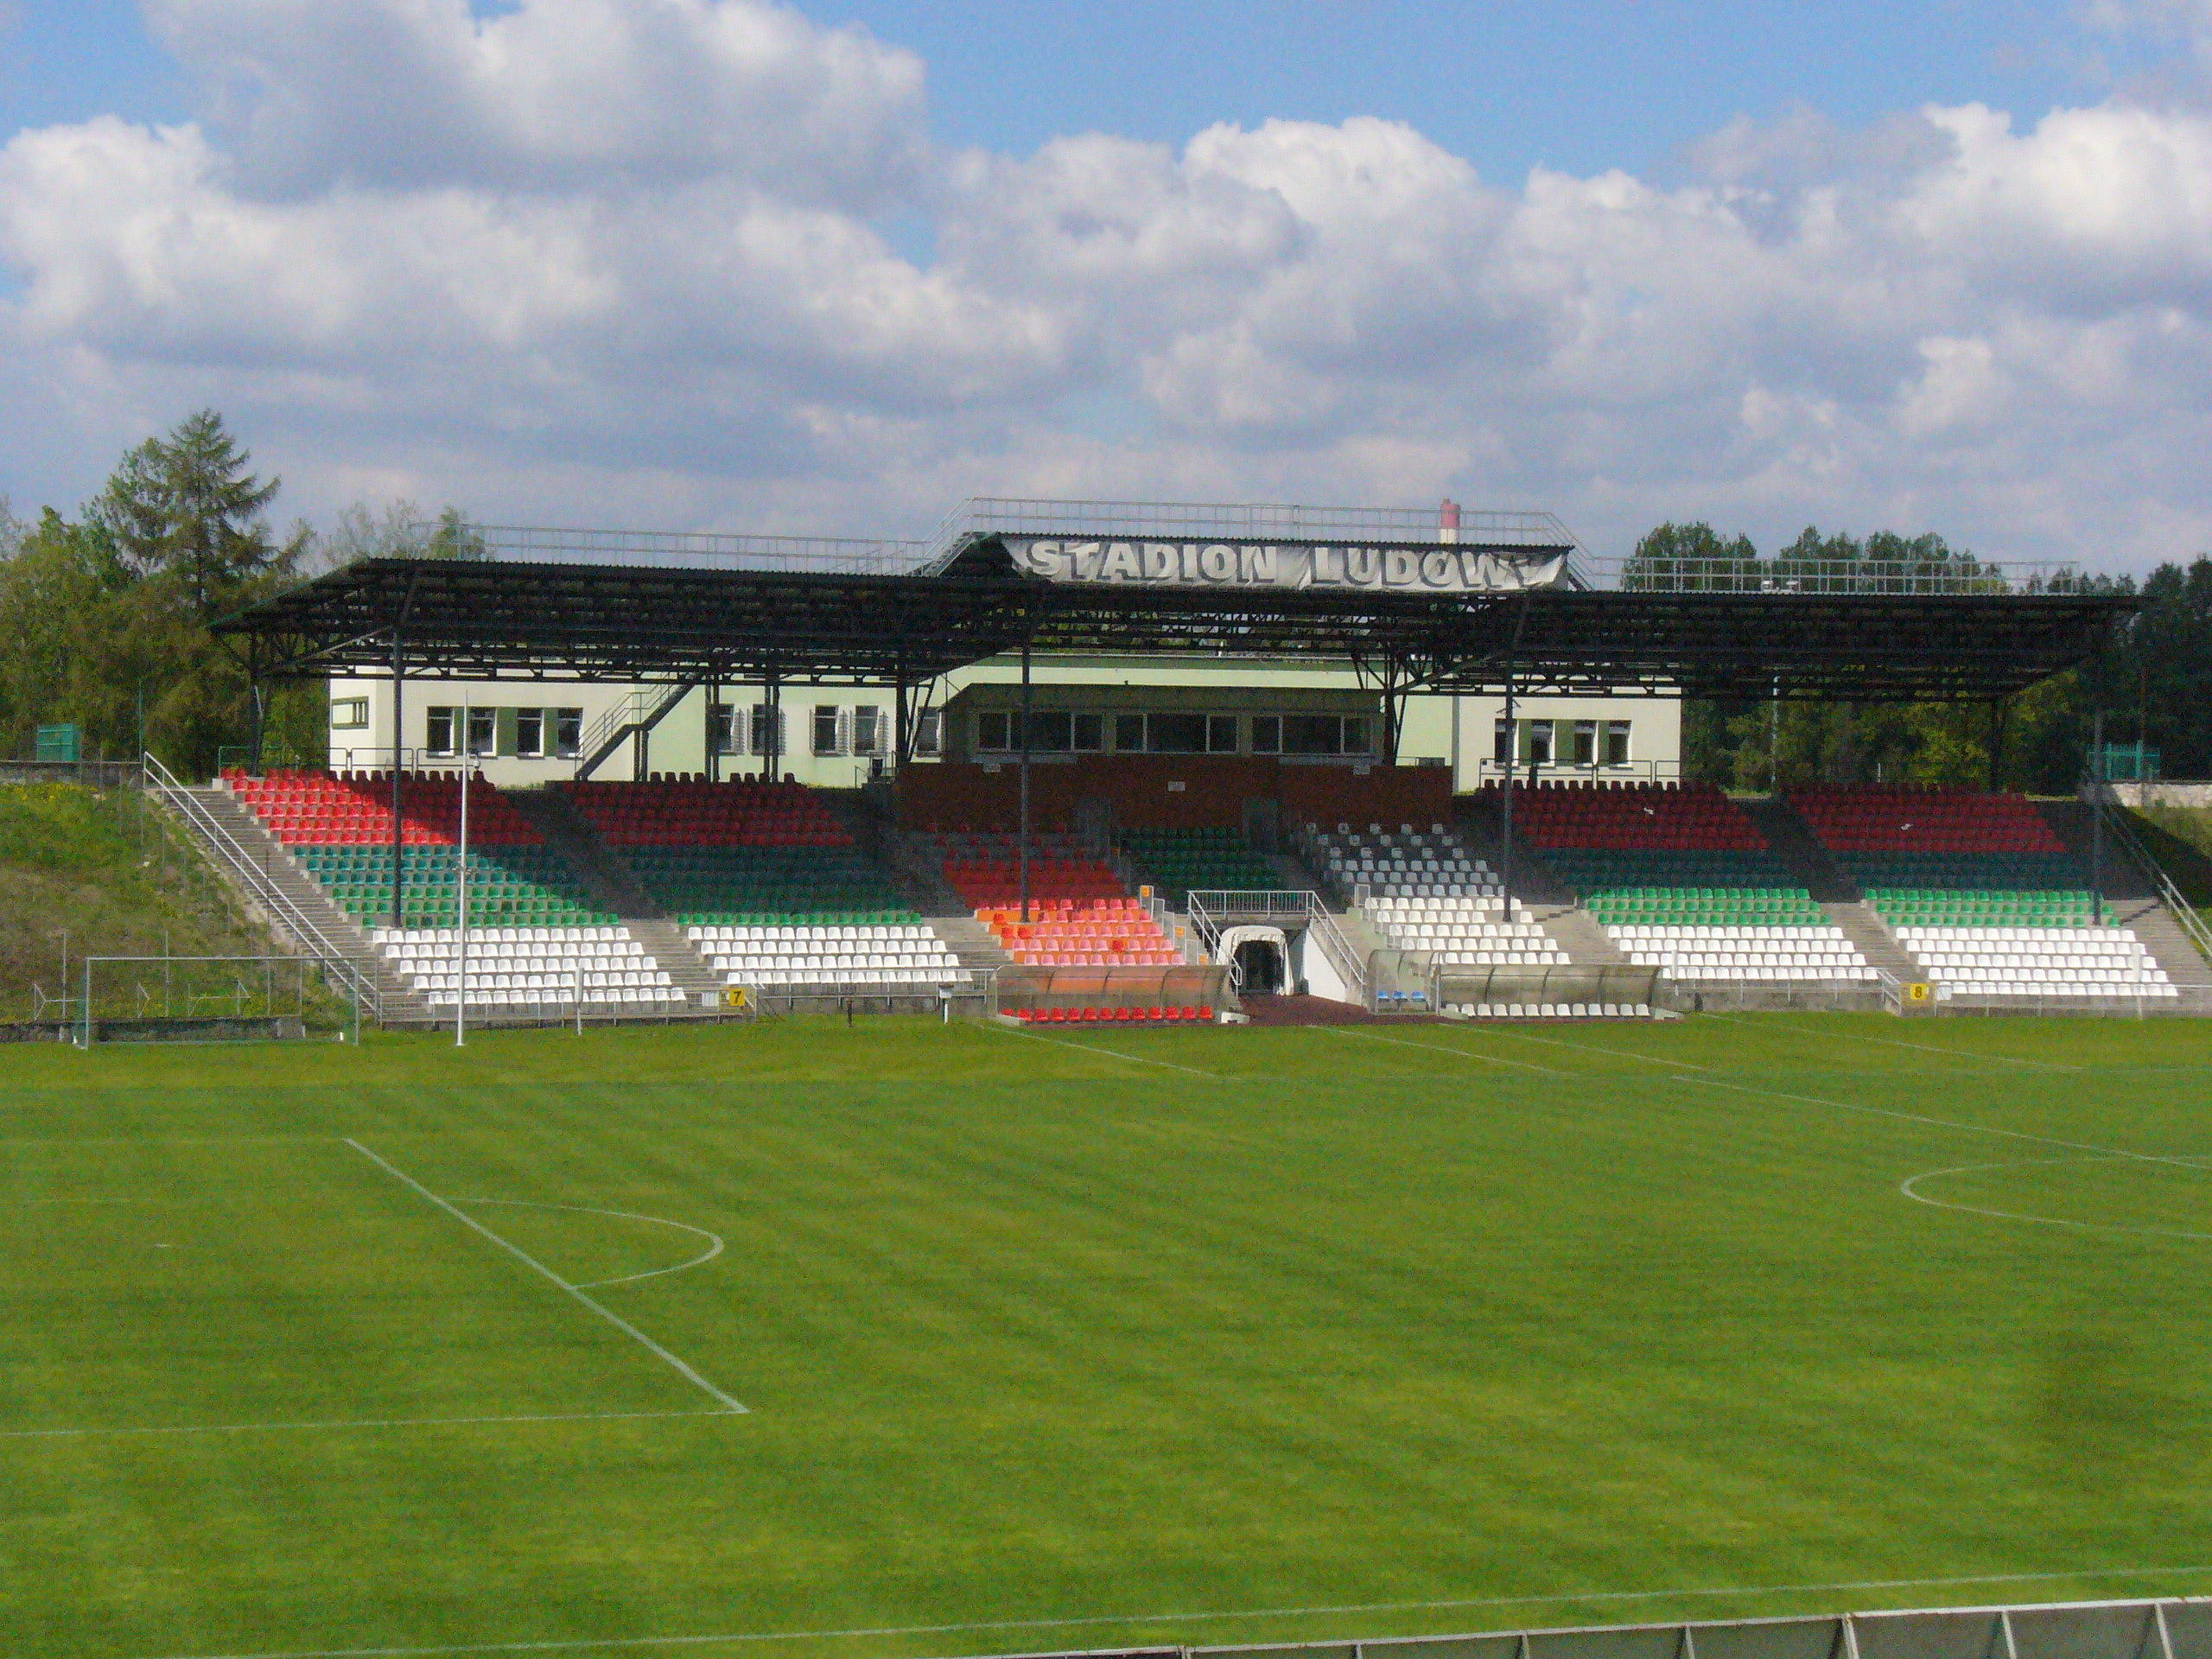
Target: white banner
<point>1415,569</point>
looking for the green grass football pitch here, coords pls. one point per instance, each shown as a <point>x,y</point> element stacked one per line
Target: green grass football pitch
<point>1197,1337</point>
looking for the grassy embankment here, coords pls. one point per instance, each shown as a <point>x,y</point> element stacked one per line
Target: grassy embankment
<point>89,863</point>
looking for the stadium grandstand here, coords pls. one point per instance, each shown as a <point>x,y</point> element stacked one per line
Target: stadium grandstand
<point>1350,754</point>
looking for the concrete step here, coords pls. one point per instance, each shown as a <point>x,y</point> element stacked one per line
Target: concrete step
<point>1581,937</point>
<point>970,941</point>
<point>1872,936</point>
<point>687,969</point>
<point>285,873</point>
<point>606,878</point>
<point>2131,894</point>
<point>1536,884</point>
<point>1808,861</point>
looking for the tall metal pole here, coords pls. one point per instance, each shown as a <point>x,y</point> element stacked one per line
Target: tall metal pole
<point>714,767</point>
<point>1505,835</point>
<point>2097,819</point>
<point>460,979</point>
<point>399,844</point>
<point>1025,778</point>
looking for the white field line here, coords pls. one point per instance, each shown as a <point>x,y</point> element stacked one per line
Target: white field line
<point>1443,1048</point>
<point>365,1422</point>
<point>1910,1186</point>
<point>1112,1054</point>
<point>714,1245</point>
<point>581,1297</point>
<point>1509,1030</point>
<point>1895,1042</point>
<point>1568,1597</point>
<point>1935,1122</point>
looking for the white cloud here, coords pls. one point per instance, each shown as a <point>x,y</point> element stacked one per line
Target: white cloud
<point>627,260</point>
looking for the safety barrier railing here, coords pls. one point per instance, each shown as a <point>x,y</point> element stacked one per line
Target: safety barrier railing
<point>1283,906</point>
<point>224,850</point>
<point>2102,803</point>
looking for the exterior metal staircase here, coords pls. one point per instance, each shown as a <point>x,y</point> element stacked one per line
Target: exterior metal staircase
<point>632,717</point>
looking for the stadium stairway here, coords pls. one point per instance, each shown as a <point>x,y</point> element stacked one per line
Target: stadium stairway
<point>2131,896</point>
<point>914,867</point>
<point>283,872</point>
<point>1808,861</point>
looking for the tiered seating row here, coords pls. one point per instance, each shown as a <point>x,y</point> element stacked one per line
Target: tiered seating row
<point>1174,861</point>
<point>1883,818</point>
<point>1643,817</point>
<point>1955,908</point>
<point>792,886</point>
<point>1820,954</point>
<point>688,813</point>
<point>1080,932</point>
<point>901,955</point>
<point>317,809</point>
<point>1202,1014</point>
<point>1550,1010</point>
<point>513,887</point>
<point>1465,931</point>
<point>1401,863</point>
<point>517,968</point>
<point>2042,963</point>
<point>1703,907</point>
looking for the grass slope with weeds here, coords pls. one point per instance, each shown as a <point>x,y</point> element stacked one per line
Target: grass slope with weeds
<point>79,859</point>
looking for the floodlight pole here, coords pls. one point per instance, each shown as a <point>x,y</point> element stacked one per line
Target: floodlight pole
<point>399,840</point>
<point>460,980</point>
<point>1505,812</point>
<point>2097,819</point>
<point>1025,778</point>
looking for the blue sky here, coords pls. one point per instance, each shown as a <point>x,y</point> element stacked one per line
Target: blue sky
<point>1578,87</point>
<point>714,264</point>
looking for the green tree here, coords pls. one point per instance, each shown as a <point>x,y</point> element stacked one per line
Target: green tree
<point>185,507</point>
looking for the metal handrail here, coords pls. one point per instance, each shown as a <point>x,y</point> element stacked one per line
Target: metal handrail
<point>1298,903</point>
<point>222,845</point>
<point>2102,802</point>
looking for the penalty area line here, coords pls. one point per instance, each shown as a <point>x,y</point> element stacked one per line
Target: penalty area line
<point>1112,1054</point>
<point>364,1423</point>
<point>583,1298</point>
<point>1445,1048</point>
<point>572,1644</point>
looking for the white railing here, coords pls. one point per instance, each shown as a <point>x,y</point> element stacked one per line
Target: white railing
<point>2184,914</point>
<point>1290,906</point>
<point>223,849</point>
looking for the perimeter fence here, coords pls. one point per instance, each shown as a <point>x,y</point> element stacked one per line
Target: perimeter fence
<point>2175,1627</point>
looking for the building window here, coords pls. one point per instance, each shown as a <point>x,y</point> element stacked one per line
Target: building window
<point>1585,743</point>
<point>1175,734</point>
<point>568,732</point>
<point>349,714</point>
<point>827,725</point>
<point>767,726</point>
<point>1090,733</point>
<point>1220,735</point>
<point>868,730</point>
<point>1050,733</point>
<point>929,733</point>
<point>1501,748</point>
<point>483,732</point>
<point>530,733</point>
<point>438,732</point>
<point>994,730</point>
<point>1267,733</point>
<point>1128,734</point>
<point>1536,739</point>
<point>1616,742</point>
<point>1355,734</point>
<point>720,739</point>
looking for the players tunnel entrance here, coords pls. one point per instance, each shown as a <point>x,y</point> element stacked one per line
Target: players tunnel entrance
<point>1262,964</point>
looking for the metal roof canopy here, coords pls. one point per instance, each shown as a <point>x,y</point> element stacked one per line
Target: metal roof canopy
<point>508,619</point>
